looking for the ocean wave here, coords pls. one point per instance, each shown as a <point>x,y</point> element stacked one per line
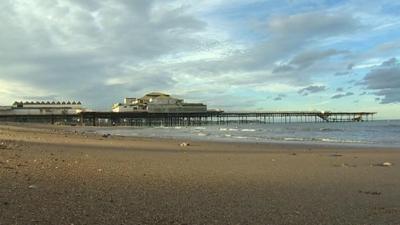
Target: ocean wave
<point>340,141</point>
<point>329,140</point>
<point>240,137</point>
<point>248,130</point>
<point>293,139</point>
<point>330,129</point>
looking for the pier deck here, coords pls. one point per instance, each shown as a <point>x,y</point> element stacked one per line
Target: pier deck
<point>188,119</point>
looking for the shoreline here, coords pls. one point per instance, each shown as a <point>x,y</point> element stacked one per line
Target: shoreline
<point>211,134</point>
<point>53,176</point>
<point>284,145</point>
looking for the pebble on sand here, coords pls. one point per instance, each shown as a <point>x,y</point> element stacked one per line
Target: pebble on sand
<point>33,186</point>
<point>184,144</point>
<point>3,145</point>
<point>384,164</point>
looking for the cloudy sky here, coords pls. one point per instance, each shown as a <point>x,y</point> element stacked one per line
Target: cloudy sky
<point>232,54</point>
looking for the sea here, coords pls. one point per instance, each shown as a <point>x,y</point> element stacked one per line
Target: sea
<point>384,133</point>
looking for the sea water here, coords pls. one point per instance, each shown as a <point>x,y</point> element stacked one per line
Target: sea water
<point>374,133</point>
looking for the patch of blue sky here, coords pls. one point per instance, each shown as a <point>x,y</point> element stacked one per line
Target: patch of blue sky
<point>312,5</point>
<point>391,9</point>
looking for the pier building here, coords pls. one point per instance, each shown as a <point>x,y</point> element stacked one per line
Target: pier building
<point>157,102</point>
<point>43,108</point>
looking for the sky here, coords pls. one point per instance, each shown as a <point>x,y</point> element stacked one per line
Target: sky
<point>330,55</point>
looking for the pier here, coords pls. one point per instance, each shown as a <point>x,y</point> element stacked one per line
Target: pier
<point>190,119</point>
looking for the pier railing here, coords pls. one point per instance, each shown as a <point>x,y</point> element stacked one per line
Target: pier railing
<point>188,119</point>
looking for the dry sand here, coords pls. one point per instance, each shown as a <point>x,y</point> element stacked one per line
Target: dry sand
<point>52,176</point>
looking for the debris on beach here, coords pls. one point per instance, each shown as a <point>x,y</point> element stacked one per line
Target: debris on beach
<point>9,168</point>
<point>3,145</point>
<point>184,144</point>
<point>106,135</point>
<point>33,186</point>
<point>336,155</point>
<point>384,164</point>
<point>345,165</point>
<point>370,192</point>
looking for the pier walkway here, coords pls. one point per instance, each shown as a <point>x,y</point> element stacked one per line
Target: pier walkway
<point>188,119</point>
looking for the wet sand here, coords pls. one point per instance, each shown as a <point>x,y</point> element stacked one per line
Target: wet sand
<point>52,176</point>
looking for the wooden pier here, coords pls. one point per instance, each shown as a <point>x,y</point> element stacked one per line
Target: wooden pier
<point>190,119</point>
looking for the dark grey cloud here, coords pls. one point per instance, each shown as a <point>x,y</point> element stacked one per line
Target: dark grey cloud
<point>314,24</point>
<point>312,89</point>
<point>342,73</point>
<point>390,63</point>
<point>339,89</point>
<point>350,66</point>
<point>306,59</point>
<point>337,96</point>
<point>363,93</point>
<point>283,69</point>
<point>280,97</point>
<point>384,81</point>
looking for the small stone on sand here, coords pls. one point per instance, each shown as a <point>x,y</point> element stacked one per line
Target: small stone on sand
<point>184,144</point>
<point>33,186</point>
<point>384,164</point>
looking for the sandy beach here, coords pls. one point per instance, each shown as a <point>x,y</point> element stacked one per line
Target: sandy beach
<point>50,175</point>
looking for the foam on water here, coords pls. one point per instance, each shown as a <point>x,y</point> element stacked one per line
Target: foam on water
<point>293,139</point>
<point>248,130</point>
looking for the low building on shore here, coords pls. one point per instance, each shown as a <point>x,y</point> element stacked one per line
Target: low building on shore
<point>42,108</point>
<point>156,102</point>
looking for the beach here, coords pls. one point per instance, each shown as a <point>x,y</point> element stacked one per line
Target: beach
<point>54,175</point>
